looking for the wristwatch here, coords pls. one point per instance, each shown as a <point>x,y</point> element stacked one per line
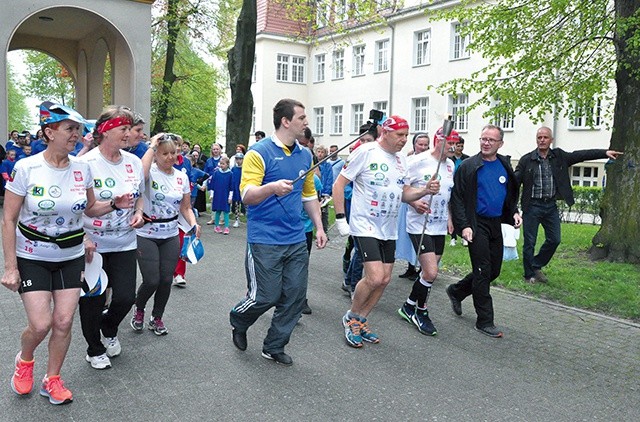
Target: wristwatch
<point>113,205</point>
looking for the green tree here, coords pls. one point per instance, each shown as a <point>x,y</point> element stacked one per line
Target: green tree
<point>19,116</point>
<point>563,55</point>
<point>47,79</point>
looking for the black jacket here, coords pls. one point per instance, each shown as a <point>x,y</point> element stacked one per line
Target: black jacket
<point>560,162</point>
<point>465,193</point>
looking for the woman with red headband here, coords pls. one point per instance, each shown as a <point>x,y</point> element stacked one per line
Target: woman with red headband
<point>115,172</point>
<point>42,240</point>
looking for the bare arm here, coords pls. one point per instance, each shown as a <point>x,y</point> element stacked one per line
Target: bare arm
<point>12,205</point>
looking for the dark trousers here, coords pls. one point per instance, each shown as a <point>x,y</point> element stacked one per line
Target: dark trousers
<point>486,259</point>
<point>121,270</point>
<point>276,276</point>
<point>545,214</point>
<point>157,259</point>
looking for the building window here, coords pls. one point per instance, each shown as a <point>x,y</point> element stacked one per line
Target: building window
<point>357,117</point>
<point>503,120</point>
<point>587,115</point>
<point>318,113</point>
<point>343,10</point>
<point>420,114</point>
<point>338,64</point>
<point>422,48</point>
<point>320,66</point>
<point>459,43</point>
<point>254,72</point>
<point>584,176</point>
<point>323,14</point>
<point>382,56</point>
<point>290,68</point>
<point>380,106</point>
<point>358,60</point>
<point>336,120</point>
<point>459,105</point>
<point>253,120</point>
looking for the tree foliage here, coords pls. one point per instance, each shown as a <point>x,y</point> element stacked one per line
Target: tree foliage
<point>19,116</point>
<point>47,79</point>
<point>547,56</point>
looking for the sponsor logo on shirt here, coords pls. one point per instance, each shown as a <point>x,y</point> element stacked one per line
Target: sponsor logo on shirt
<point>373,166</point>
<point>55,191</point>
<point>37,191</point>
<point>97,183</point>
<point>109,182</point>
<point>154,185</point>
<point>97,223</point>
<point>129,168</point>
<point>77,175</point>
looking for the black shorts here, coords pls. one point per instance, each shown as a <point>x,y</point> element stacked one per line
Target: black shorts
<point>433,244</point>
<point>372,249</point>
<point>49,276</point>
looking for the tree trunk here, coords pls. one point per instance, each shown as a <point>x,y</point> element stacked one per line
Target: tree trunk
<point>240,66</point>
<point>173,29</point>
<point>619,236</point>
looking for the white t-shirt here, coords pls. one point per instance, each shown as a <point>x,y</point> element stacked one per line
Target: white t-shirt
<point>112,232</point>
<point>162,196</point>
<point>378,178</point>
<point>54,200</point>
<point>421,169</point>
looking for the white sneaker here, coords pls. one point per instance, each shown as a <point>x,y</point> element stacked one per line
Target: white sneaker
<point>113,346</point>
<point>465,243</point>
<point>99,362</point>
<point>179,281</point>
<point>452,243</point>
<point>236,224</point>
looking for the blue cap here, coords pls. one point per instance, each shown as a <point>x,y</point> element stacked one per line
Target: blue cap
<point>52,113</point>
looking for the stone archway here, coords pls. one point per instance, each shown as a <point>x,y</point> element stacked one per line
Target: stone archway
<point>81,35</point>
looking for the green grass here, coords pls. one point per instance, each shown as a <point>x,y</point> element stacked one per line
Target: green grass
<point>606,287</point>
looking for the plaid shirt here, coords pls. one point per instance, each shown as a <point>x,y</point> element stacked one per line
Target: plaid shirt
<point>543,184</point>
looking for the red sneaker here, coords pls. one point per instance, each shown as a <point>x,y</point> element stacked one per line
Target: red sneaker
<point>53,388</point>
<point>22,380</point>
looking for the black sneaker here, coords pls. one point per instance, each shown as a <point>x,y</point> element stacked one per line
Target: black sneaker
<point>306,310</point>
<point>281,358</point>
<point>456,305</point>
<point>239,339</point>
<point>422,321</point>
<point>490,330</point>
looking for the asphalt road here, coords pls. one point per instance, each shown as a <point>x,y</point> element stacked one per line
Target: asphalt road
<point>554,363</point>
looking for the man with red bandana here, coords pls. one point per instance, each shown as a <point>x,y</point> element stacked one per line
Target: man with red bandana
<point>377,170</point>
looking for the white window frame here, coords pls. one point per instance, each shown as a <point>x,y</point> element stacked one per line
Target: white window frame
<point>253,120</point>
<point>459,43</point>
<point>337,120</point>
<point>338,64</point>
<point>420,114</point>
<point>459,106</point>
<point>255,69</point>
<point>580,179</point>
<point>381,106</point>
<point>358,60</point>
<point>381,63</point>
<point>581,121</point>
<point>290,68</point>
<point>506,121</point>
<point>422,47</point>
<point>357,117</point>
<point>318,117</point>
<point>320,67</point>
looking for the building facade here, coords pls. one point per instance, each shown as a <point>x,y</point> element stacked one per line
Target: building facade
<point>391,68</point>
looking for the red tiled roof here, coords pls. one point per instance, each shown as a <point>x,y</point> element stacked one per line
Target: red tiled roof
<point>272,19</point>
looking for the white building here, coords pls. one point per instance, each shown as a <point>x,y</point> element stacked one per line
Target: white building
<point>340,78</point>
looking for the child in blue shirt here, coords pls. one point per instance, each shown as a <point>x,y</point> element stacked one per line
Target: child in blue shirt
<point>220,183</point>
<point>236,175</point>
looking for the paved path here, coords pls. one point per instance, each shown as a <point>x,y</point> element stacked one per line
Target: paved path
<point>554,364</point>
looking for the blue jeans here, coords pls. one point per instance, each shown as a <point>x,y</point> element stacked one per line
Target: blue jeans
<point>545,214</point>
<point>356,267</point>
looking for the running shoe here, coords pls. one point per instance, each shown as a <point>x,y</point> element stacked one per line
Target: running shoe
<point>236,224</point>
<point>490,330</point>
<point>366,333</point>
<point>157,326</point>
<point>218,229</point>
<point>407,312</point>
<point>113,346</point>
<point>137,322</point>
<point>22,380</point>
<point>226,230</point>
<point>99,362</point>
<point>53,388</point>
<point>179,281</point>
<point>352,328</point>
<point>422,321</point>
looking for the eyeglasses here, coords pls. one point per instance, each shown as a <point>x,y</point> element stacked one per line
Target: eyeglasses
<point>490,140</point>
<point>169,137</point>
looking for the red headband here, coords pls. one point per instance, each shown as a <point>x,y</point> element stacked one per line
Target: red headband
<point>114,122</point>
<point>394,123</point>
